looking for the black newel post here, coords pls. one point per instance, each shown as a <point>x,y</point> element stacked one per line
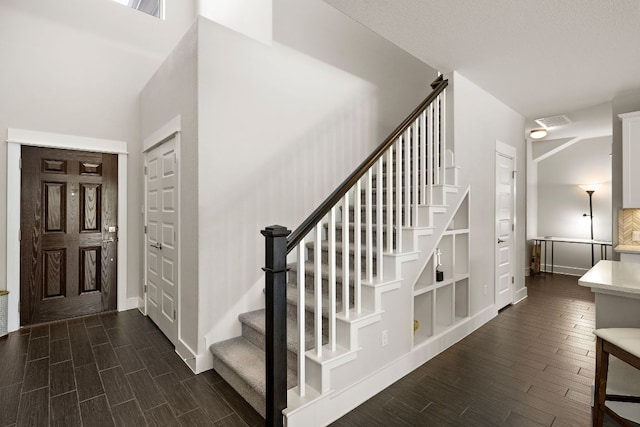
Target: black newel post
<point>276,322</point>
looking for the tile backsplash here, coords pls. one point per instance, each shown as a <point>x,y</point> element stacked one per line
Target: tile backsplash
<point>628,222</point>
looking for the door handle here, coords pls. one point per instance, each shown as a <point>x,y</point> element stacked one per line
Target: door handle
<point>501,241</point>
<point>156,245</point>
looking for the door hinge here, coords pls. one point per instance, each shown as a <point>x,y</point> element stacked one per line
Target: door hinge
<point>145,170</point>
<point>20,163</point>
<point>513,227</point>
<point>144,289</point>
<point>513,174</point>
<point>174,314</point>
<point>145,229</point>
<point>513,280</point>
<point>175,158</point>
<point>20,234</point>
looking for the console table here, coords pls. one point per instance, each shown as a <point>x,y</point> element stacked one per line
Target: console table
<point>602,243</point>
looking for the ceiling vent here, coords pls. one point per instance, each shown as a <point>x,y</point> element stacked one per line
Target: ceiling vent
<point>553,121</point>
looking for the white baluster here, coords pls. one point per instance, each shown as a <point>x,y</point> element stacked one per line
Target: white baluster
<point>430,160</point>
<point>423,157</point>
<point>301,320</point>
<point>398,179</point>
<point>345,255</point>
<point>357,248</point>
<point>332,279</point>
<point>379,243</point>
<point>368,227</point>
<point>317,271</point>
<point>436,140</point>
<point>407,178</point>
<point>389,178</point>
<point>414,175</point>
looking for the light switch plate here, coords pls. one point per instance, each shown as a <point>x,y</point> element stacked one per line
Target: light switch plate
<point>112,229</point>
<point>635,236</point>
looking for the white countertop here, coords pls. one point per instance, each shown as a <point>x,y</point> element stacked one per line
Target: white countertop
<point>613,276</point>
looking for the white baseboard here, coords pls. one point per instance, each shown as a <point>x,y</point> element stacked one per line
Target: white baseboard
<point>519,295</point>
<point>187,355</point>
<point>204,362</point>
<point>331,406</point>
<point>564,269</point>
<point>141,307</point>
<point>132,303</point>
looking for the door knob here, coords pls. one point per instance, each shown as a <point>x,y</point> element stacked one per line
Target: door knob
<point>501,241</point>
<point>156,245</point>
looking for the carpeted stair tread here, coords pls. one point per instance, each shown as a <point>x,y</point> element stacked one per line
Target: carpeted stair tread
<point>248,362</point>
<point>292,299</point>
<point>352,227</point>
<point>310,270</point>
<point>324,245</point>
<point>257,321</point>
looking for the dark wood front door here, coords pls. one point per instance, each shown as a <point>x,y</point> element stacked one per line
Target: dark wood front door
<point>68,233</point>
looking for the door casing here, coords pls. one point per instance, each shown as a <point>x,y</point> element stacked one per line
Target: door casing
<point>509,152</point>
<point>173,334</point>
<point>16,138</point>
<point>168,131</point>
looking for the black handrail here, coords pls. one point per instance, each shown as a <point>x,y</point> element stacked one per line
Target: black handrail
<point>305,228</point>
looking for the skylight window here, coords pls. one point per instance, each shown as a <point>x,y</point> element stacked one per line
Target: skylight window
<point>151,7</point>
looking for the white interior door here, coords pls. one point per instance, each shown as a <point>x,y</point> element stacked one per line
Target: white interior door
<point>161,247</point>
<point>504,229</point>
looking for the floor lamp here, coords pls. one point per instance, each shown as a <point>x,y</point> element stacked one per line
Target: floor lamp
<point>590,189</point>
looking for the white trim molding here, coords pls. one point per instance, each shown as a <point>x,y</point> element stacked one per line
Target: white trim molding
<point>516,294</point>
<point>16,138</point>
<point>69,142</point>
<point>160,135</point>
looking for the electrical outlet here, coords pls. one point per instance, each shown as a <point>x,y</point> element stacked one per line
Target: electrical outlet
<point>385,337</point>
<point>635,236</point>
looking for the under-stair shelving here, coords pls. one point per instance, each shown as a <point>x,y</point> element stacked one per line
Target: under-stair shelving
<point>441,305</point>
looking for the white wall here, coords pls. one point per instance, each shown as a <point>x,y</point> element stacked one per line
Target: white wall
<point>280,128</point>
<point>479,121</point>
<point>561,202</point>
<point>172,92</point>
<point>233,14</point>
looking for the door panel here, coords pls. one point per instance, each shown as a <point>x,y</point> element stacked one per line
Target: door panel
<point>161,247</point>
<point>68,259</point>
<point>504,226</point>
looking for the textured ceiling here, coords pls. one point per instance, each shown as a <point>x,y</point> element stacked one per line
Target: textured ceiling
<point>540,57</point>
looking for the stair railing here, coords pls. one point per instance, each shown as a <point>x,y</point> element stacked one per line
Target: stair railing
<point>405,166</point>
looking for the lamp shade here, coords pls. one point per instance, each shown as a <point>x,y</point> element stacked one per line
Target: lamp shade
<point>538,133</point>
<point>589,187</point>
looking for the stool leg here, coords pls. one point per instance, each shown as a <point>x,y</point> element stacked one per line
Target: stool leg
<point>600,393</point>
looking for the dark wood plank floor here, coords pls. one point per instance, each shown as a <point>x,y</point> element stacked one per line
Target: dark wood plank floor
<point>105,370</point>
<point>530,366</point>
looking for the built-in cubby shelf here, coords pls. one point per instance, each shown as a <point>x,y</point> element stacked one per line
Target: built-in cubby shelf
<point>440,305</point>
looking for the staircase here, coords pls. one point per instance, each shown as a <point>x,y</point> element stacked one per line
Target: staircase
<point>356,246</point>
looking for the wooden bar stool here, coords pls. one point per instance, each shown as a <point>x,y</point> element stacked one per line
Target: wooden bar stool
<point>623,343</point>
